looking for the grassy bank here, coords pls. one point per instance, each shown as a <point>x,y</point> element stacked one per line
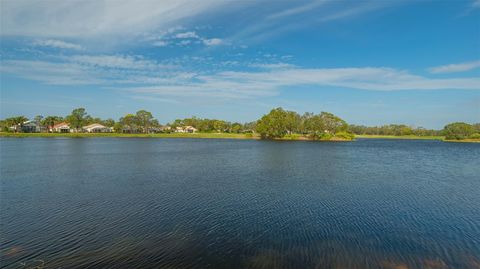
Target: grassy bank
<point>162,135</point>
<point>442,138</point>
<point>225,136</point>
<point>469,140</point>
<point>401,137</point>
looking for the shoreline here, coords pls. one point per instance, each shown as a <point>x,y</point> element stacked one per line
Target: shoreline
<point>121,135</point>
<point>403,137</point>
<point>167,135</point>
<point>414,137</point>
<point>226,136</point>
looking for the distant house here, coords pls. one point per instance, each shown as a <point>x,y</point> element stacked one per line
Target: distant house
<point>31,127</point>
<point>96,128</point>
<point>62,127</point>
<point>190,129</point>
<point>185,129</point>
<point>165,129</point>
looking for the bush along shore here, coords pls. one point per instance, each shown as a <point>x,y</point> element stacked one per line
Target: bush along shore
<point>278,124</point>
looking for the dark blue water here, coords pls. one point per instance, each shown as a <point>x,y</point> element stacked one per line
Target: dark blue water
<point>193,203</point>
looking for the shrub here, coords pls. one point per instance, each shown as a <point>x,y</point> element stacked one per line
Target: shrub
<point>475,136</point>
<point>345,135</point>
<point>326,136</point>
<point>248,135</point>
<point>291,136</point>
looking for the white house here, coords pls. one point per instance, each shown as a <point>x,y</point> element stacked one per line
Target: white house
<point>186,129</point>
<point>62,127</point>
<point>96,128</point>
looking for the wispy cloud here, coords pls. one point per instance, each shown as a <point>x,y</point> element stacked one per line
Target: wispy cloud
<point>187,35</point>
<point>104,18</point>
<point>454,68</point>
<point>212,41</point>
<point>146,76</point>
<point>95,18</point>
<point>59,44</point>
<point>115,61</point>
<point>52,73</point>
<point>178,36</point>
<point>104,70</point>
<point>232,84</point>
<point>160,43</point>
<point>297,9</point>
<point>272,65</point>
<point>476,4</point>
<point>301,15</point>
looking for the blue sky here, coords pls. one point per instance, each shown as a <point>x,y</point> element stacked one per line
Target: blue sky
<point>370,62</point>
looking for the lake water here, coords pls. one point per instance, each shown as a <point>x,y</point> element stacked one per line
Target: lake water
<point>208,203</point>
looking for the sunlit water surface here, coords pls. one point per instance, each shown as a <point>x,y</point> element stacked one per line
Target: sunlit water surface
<point>207,203</point>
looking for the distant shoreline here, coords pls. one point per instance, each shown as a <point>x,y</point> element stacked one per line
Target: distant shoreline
<point>226,136</point>
<point>123,135</point>
<point>404,137</point>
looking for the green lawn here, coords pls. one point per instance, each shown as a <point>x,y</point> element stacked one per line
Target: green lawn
<point>401,137</point>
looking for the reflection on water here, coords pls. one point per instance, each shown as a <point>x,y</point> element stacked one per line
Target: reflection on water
<point>180,203</point>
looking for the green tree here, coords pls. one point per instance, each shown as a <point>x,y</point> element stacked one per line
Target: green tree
<point>38,119</point>
<point>128,123</point>
<point>458,130</point>
<point>219,125</point>
<point>77,119</point>
<point>16,122</point>
<point>332,123</point>
<point>292,121</point>
<point>236,128</point>
<point>49,121</point>
<point>108,122</point>
<point>273,125</point>
<point>144,120</point>
<point>314,126</point>
<point>117,127</point>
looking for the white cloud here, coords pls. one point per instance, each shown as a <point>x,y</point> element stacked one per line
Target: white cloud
<point>297,9</point>
<point>315,13</point>
<point>51,72</point>
<point>187,35</point>
<point>272,66</point>
<point>114,61</point>
<point>77,18</point>
<point>57,44</point>
<point>179,36</point>
<point>160,43</point>
<point>145,76</point>
<point>232,84</point>
<point>453,68</point>
<point>212,41</point>
<point>184,42</point>
<point>94,70</point>
<point>476,4</point>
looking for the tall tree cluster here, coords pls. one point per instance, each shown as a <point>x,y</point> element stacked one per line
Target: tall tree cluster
<point>279,122</point>
<point>461,130</point>
<point>392,129</point>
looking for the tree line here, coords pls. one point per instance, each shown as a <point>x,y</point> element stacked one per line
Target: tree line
<point>393,129</point>
<point>452,131</point>
<point>278,123</point>
<point>140,122</point>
